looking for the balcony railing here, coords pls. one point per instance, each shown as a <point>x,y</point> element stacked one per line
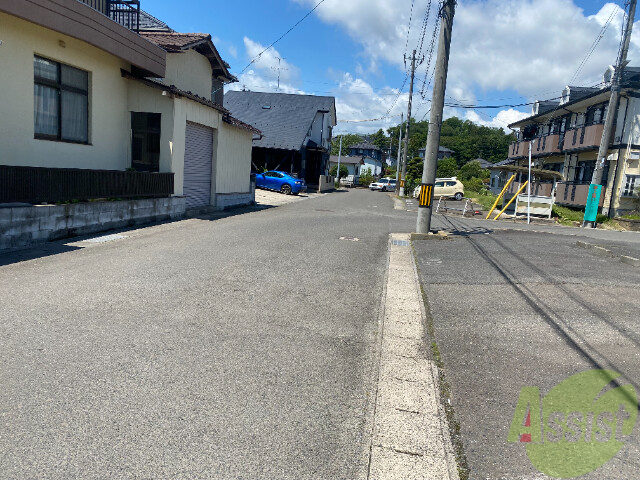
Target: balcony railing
<point>574,194</point>
<point>50,185</point>
<point>124,12</point>
<point>546,145</point>
<point>519,150</point>
<point>584,138</point>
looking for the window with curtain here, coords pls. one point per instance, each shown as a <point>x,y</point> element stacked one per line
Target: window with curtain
<point>61,102</point>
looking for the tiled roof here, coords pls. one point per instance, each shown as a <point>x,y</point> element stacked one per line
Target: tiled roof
<point>284,119</point>
<point>441,149</point>
<point>483,163</point>
<point>346,159</point>
<point>174,41</point>
<point>240,124</point>
<point>150,23</point>
<point>365,146</point>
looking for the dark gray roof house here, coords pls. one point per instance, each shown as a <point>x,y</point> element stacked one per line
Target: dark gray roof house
<point>483,163</point>
<point>296,130</point>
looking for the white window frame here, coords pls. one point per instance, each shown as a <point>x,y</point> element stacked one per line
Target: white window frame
<point>630,186</point>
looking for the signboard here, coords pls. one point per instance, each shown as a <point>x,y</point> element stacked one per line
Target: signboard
<point>539,205</point>
<point>593,201</point>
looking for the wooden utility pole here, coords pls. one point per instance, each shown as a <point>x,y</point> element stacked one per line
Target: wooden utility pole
<point>595,189</point>
<point>406,135</point>
<point>435,124</point>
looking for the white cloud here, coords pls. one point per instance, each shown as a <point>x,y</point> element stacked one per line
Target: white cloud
<point>532,47</point>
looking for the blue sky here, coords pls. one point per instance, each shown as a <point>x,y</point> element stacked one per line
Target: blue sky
<point>504,51</point>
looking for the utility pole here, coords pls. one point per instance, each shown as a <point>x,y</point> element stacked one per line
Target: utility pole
<point>430,166</point>
<point>595,189</point>
<point>339,157</point>
<point>399,149</point>
<point>406,136</point>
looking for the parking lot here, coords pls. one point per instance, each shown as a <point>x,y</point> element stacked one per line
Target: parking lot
<point>268,198</point>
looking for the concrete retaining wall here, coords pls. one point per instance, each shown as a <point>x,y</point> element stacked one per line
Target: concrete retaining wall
<point>327,182</point>
<point>23,226</point>
<point>228,200</point>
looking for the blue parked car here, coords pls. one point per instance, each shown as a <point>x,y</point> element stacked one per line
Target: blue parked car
<point>281,182</point>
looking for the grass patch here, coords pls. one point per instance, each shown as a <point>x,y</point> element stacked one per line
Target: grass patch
<point>571,216</point>
<point>630,217</point>
<point>485,199</point>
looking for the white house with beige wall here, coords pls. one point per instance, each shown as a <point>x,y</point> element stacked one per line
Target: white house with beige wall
<point>82,91</point>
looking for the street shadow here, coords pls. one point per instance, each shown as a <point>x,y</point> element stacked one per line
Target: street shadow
<point>34,252</point>
<point>565,331</point>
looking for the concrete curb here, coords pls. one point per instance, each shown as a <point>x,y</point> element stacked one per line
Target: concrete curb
<point>410,430</point>
<point>605,252</point>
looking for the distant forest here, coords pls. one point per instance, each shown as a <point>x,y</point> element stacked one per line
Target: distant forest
<point>468,140</point>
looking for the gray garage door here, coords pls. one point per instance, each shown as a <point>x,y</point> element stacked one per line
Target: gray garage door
<point>198,157</point>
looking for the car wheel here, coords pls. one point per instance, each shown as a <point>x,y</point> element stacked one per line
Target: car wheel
<point>384,189</point>
<point>458,196</point>
<point>286,189</point>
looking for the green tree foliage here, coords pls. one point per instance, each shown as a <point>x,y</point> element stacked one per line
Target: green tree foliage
<point>343,170</point>
<point>380,140</point>
<point>414,169</point>
<point>473,170</point>
<point>468,140</point>
<point>447,167</point>
<point>348,139</point>
<point>366,177</point>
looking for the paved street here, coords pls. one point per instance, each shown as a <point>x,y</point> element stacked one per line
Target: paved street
<point>236,348</point>
<point>244,346</point>
<point>527,308</point>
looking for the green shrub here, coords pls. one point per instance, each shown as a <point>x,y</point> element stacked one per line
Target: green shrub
<point>344,171</point>
<point>473,185</point>
<point>366,178</point>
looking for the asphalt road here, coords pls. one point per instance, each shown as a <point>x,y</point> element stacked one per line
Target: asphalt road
<point>522,308</point>
<point>238,348</point>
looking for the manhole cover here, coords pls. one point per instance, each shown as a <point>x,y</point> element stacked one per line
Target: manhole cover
<point>105,238</point>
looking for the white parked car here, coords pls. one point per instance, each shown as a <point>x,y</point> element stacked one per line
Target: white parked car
<point>384,185</point>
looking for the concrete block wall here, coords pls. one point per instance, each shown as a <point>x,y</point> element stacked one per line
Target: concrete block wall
<point>23,226</point>
<point>326,183</point>
<point>228,200</point>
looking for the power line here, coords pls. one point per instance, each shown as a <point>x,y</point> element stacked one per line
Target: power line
<point>594,45</point>
<point>406,46</point>
<point>253,60</point>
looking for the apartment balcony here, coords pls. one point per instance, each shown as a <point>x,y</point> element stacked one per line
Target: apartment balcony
<point>584,138</point>
<point>124,12</point>
<point>574,194</point>
<point>519,150</point>
<point>546,145</point>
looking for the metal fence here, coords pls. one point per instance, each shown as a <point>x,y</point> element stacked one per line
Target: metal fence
<point>124,12</point>
<point>50,185</point>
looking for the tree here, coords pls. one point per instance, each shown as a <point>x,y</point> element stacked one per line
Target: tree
<point>344,171</point>
<point>447,167</point>
<point>380,140</point>
<point>473,170</point>
<point>348,139</point>
<point>366,177</point>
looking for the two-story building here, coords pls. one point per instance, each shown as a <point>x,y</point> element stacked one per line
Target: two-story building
<point>100,85</point>
<point>296,130</point>
<point>372,157</point>
<point>565,135</point>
